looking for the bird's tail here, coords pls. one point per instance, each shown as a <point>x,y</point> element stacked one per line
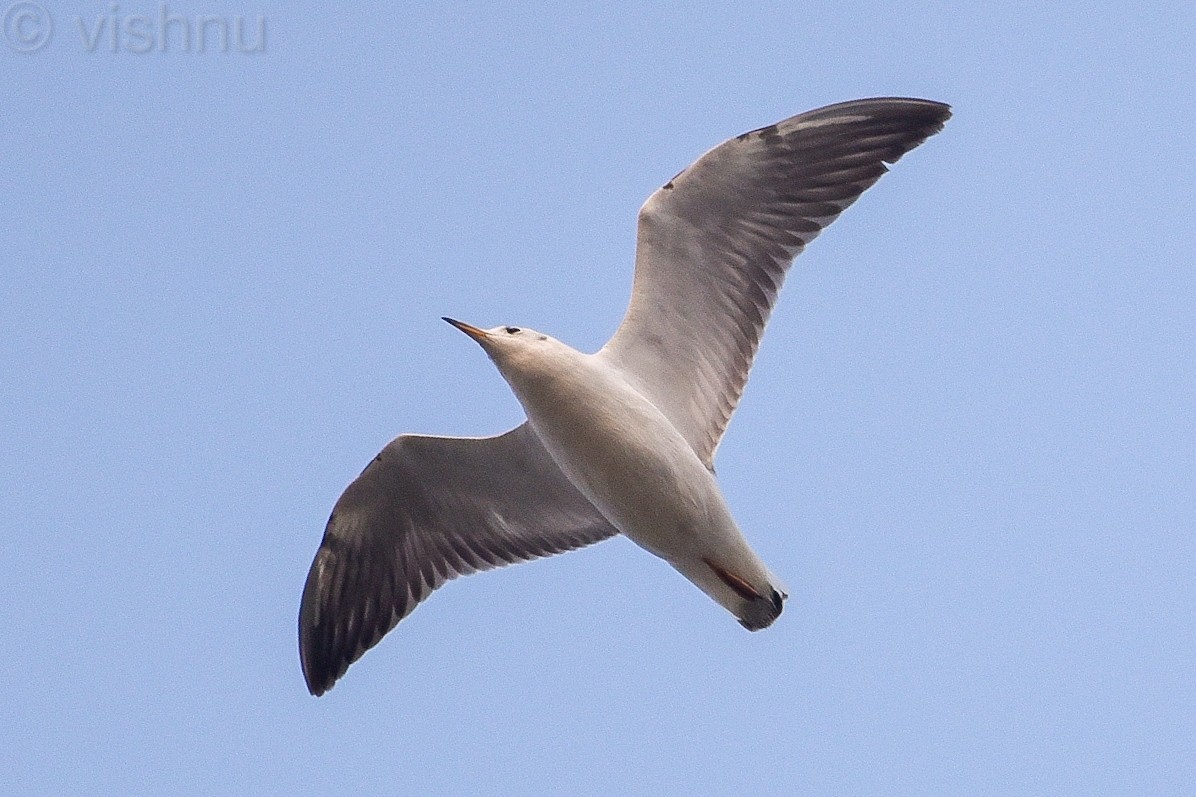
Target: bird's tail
<point>760,612</point>
<point>756,606</point>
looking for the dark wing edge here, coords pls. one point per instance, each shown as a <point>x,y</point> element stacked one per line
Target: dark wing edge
<point>424,511</point>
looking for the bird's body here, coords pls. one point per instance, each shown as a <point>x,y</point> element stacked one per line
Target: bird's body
<point>623,440</point>
<point>629,461</point>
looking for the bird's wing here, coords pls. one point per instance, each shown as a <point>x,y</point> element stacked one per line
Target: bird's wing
<point>426,510</point>
<point>715,242</point>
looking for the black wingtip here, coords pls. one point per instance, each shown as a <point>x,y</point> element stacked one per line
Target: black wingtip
<point>321,667</point>
<point>316,674</point>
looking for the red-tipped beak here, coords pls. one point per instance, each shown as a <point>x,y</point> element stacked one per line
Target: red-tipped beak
<point>473,332</point>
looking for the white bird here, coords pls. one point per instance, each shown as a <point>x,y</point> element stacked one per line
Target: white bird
<point>622,440</point>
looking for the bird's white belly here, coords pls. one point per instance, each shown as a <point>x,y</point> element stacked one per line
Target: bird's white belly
<point>625,456</point>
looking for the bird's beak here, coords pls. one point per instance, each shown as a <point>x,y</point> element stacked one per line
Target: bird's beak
<point>477,334</point>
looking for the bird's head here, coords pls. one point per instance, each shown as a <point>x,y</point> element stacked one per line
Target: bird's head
<point>515,350</point>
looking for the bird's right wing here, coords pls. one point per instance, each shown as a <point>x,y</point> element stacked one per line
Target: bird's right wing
<point>426,510</point>
<point>715,242</point>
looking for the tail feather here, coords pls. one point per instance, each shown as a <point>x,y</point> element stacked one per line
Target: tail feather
<point>760,612</point>
<point>759,608</point>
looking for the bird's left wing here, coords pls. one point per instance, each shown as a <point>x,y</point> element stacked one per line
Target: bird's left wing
<point>426,510</point>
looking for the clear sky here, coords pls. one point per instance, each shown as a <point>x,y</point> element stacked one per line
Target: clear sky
<point>968,445</point>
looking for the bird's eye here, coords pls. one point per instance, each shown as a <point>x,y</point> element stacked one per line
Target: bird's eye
<point>513,330</point>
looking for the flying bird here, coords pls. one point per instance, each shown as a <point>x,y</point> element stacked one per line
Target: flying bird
<point>622,440</point>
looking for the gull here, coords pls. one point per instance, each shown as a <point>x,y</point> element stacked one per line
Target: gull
<point>622,440</point>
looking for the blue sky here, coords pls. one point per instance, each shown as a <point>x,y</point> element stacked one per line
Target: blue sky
<point>968,444</point>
